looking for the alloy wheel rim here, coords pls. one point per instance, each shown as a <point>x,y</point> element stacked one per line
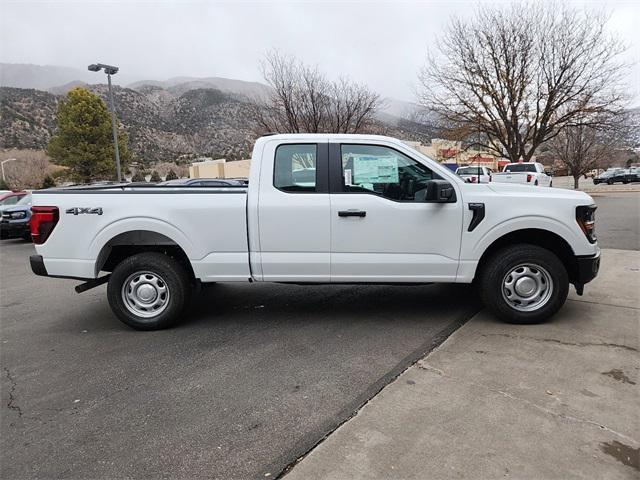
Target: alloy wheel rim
<point>145,294</point>
<point>527,287</point>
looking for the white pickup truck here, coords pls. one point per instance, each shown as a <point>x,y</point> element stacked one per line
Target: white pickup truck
<point>319,209</point>
<point>528,173</point>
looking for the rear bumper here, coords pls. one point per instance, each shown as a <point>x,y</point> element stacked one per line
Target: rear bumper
<point>587,268</point>
<point>37,265</point>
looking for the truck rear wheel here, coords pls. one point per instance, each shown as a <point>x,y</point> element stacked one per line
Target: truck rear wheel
<point>524,284</point>
<point>149,291</point>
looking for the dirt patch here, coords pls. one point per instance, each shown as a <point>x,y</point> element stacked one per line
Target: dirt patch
<point>619,375</point>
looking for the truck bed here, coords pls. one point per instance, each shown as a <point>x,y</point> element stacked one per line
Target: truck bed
<point>207,223</point>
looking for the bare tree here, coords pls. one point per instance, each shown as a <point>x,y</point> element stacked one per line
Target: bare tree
<point>513,77</point>
<point>28,171</point>
<point>304,100</point>
<point>589,145</point>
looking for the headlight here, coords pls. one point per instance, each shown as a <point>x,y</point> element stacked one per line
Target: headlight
<point>17,215</point>
<point>586,217</point>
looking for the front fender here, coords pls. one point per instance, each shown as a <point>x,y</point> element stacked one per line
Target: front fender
<point>578,244</point>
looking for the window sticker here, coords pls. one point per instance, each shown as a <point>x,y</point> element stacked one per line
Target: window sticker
<point>347,177</point>
<point>375,169</point>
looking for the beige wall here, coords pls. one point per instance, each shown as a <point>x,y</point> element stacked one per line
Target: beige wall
<point>220,169</point>
<point>239,168</point>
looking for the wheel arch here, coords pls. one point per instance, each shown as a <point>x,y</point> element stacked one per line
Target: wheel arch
<point>533,236</point>
<point>131,242</point>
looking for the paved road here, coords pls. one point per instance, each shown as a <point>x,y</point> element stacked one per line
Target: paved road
<point>254,378</point>
<point>618,220</point>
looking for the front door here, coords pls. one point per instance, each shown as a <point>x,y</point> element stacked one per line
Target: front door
<point>382,230</point>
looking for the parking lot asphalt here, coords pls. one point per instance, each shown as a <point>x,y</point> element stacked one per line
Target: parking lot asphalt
<point>618,220</point>
<point>254,377</point>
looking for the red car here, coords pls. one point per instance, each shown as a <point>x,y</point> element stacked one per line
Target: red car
<point>8,198</point>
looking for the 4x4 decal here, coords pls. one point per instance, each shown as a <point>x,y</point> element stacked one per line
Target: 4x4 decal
<point>83,210</point>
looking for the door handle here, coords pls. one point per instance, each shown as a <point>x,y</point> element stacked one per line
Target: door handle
<point>352,213</point>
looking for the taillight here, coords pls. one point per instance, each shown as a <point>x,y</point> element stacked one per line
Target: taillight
<point>529,177</point>
<point>43,221</point>
<point>586,217</point>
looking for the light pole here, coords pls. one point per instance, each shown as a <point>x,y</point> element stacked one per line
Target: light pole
<point>2,166</point>
<point>110,70</point>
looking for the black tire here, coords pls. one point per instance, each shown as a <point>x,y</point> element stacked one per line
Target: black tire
<point>610,182</point>
<point>504,262</point>
<point>162,272</point>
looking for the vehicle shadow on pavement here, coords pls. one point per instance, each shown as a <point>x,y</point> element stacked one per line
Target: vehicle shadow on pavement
<point>226,303</point>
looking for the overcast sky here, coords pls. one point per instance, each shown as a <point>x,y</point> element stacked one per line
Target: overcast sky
<point>382,44</point>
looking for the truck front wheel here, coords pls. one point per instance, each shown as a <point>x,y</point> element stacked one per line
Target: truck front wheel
<point>149,291</point>
<point>524,284</point>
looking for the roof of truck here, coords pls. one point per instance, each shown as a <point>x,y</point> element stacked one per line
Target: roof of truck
<point>337,136</point>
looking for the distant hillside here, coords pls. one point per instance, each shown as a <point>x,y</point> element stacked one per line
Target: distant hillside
<point>180,117</point>
<point>27,117</point>
<point>180,85</point>
<point>41,77</point>
<point>163,124</point>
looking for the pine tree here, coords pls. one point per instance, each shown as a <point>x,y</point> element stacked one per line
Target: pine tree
<point>84,140</point>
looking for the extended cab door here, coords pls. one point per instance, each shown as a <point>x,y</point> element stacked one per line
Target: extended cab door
<point>293,212</point>
<point>382,230</point>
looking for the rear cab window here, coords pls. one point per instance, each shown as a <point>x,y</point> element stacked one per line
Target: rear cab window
<point>521,167</point>
<point>295,168</point>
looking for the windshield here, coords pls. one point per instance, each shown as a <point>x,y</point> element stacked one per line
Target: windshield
<point>10,200</point>
<point>26,200</point>
<point>520,167</point>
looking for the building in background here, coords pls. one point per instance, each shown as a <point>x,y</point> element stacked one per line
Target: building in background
<point>451,154</point>
<point>219,168</point>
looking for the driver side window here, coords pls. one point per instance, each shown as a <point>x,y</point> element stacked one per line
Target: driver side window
<point>385,172</point>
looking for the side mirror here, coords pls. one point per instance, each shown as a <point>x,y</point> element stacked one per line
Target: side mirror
<point>440,191</point>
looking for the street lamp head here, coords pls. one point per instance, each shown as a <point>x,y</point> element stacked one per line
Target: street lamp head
<point>108,69</point>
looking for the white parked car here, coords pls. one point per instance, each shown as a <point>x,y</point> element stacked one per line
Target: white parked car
<point>528,173</point>
<point>474,174</point>
<point>367,209</point>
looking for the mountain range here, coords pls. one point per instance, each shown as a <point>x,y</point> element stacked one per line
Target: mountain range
<point>169,120</point>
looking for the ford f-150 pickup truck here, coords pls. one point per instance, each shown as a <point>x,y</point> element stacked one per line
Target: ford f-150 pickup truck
<point>528,173</point>
<point>319,209</point>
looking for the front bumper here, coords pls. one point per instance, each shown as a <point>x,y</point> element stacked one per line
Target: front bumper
<point>587,268</point>
<point>14,229</point>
